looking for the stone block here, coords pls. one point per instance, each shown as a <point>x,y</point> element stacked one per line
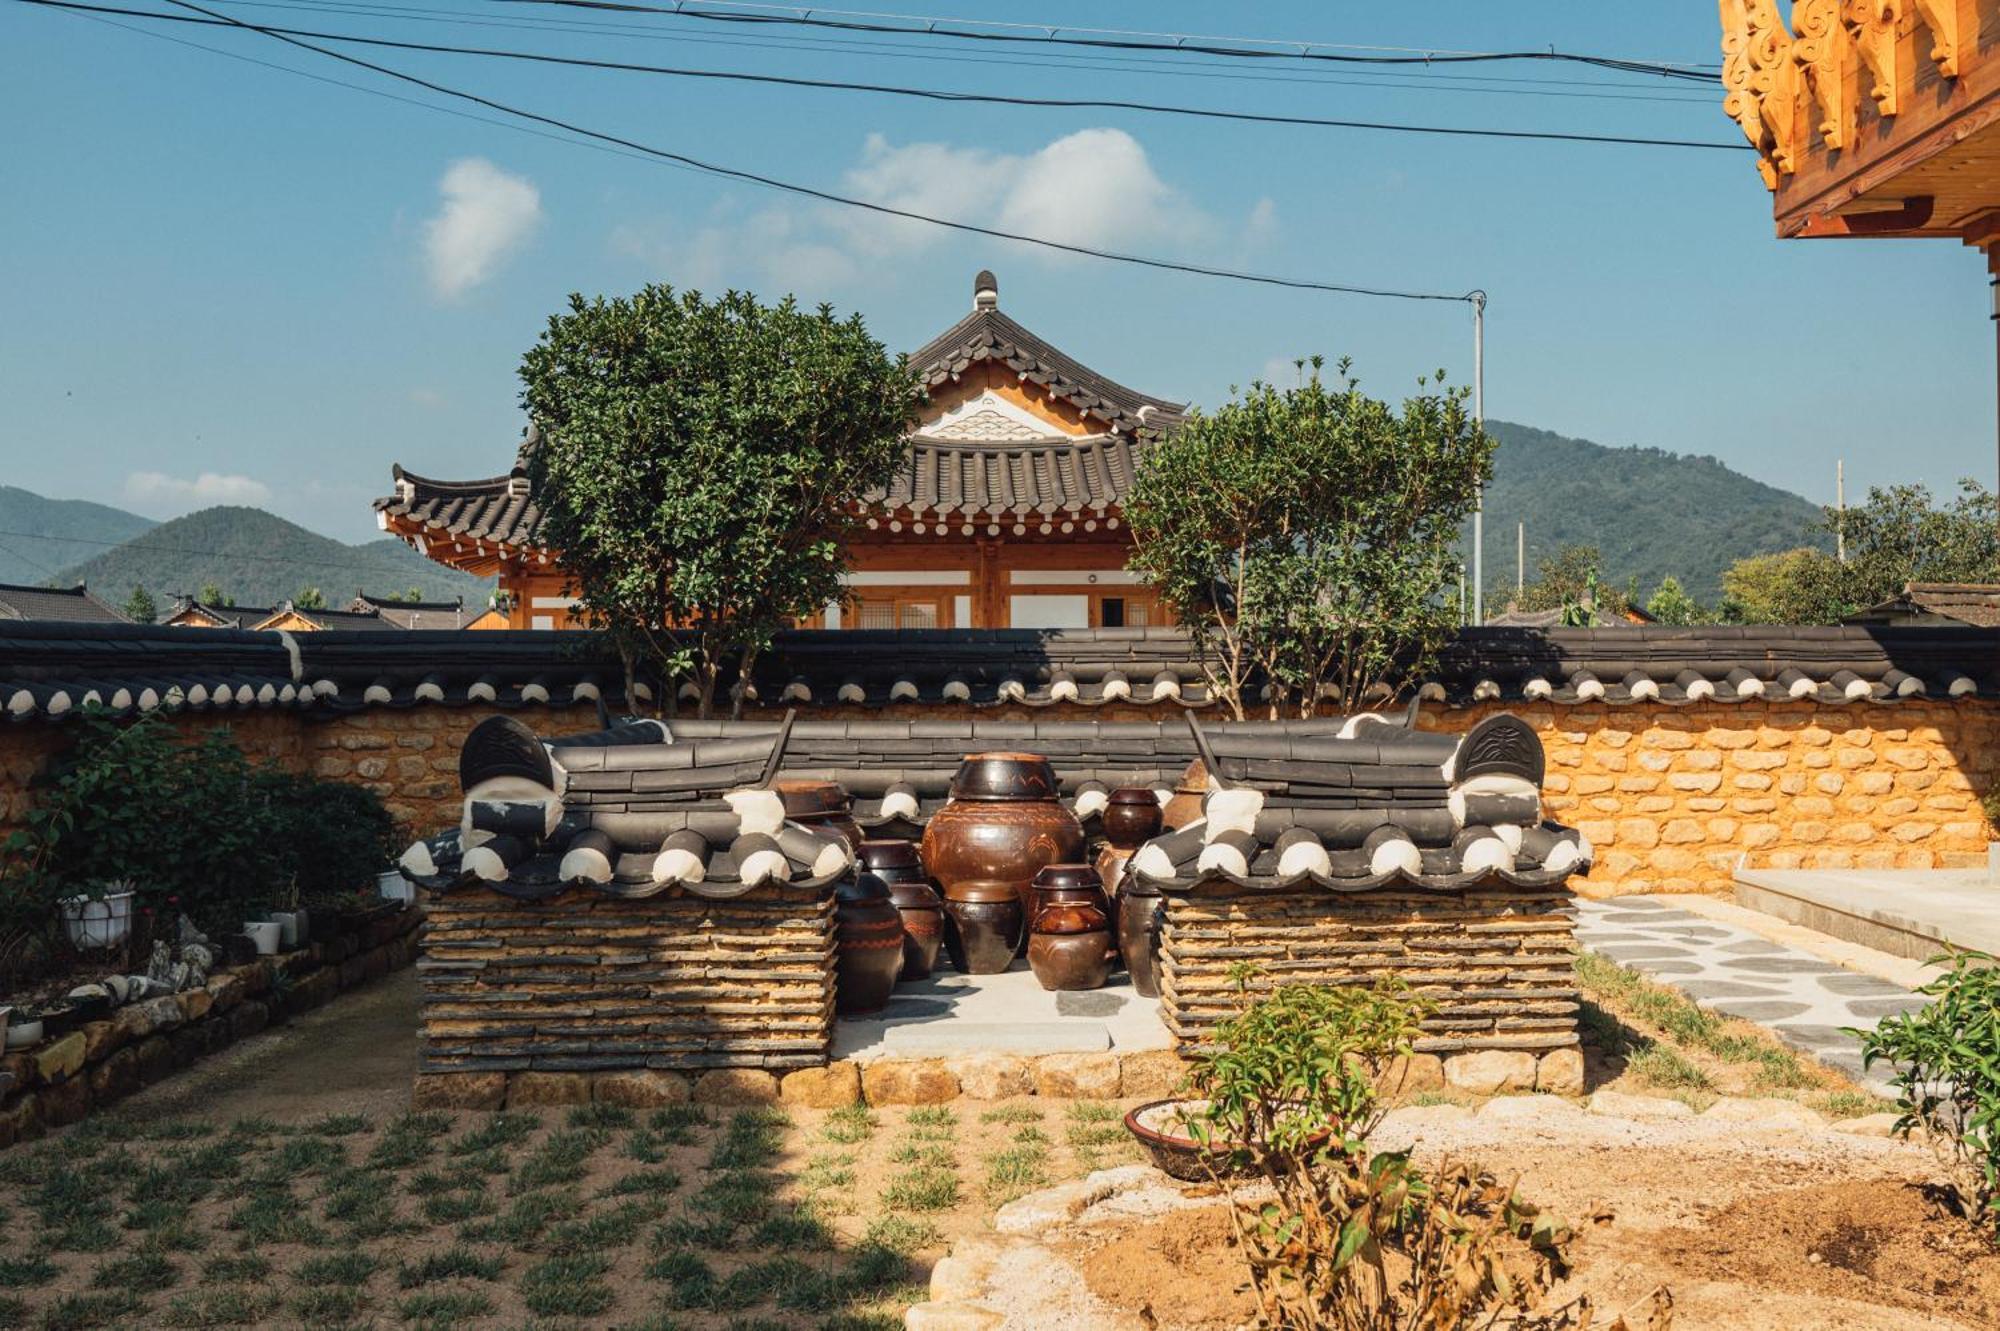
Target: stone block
<point>459,1090</point>
<point>196,1004</point>
<point>1775,1114</point>
<point>1617,1104</point>
<point>922,1081</point>
<point>134,1023</point>
<point>639,1088</point>
<point>1077,1076</point>
<point>164,1012</point>
<point>116,1077</point>
<point>548,1088</point>
<point>61,1059</point>
<point>189,1043</point>
<point>1415,1074</point>
<point>1869,1125</point>
<point>1151,1073</point>
<point>993,1076</point>
<point>156,1059</point>
<point>224,992</point>
<point>100,1040</point>
<point>951,1317</point>
<point>65,1102</point>
<point>1489,1071</point>
<point>21,1121</point>
<point>736,1086</point>
<point>1560,1072</point>
<point>250,1017</point>
<point>834,1086</point>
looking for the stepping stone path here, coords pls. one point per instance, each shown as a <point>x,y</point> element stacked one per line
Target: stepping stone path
<point>1802,999</point>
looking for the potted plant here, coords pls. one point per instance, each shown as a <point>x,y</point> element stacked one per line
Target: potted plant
<point>268,935</point>
<point>100,917</point>
<point>24,1026</point>
<point>292,919</point>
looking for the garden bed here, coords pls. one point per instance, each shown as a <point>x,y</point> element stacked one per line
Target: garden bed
<point>63,1079</point>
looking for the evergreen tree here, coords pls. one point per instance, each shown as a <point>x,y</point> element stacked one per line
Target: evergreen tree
<point>139,607</point>
<point>311,598</point>
<point>1671,605</point>
<point>211,594</point>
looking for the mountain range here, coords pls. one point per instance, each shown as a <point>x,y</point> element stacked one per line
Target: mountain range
<point>258,558</point>
<point>1649,512</point>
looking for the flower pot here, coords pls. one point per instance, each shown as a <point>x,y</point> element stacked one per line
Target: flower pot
<point>288,928</point>
<point>97,924</point>
<point>869,932</point>
<point>22,1034</point>
<point>266,934</point>
<point>984,923</point>
<point>899,866</point>
<point>392,886</point>
<point>1003,824</point>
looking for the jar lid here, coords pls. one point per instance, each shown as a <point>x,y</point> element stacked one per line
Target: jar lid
<point>805,798</point>
<point>1004,776</point>
<point>1134,795</point>
<point>1069,876</point>
<point>974,890</point>
<point>889,853</point>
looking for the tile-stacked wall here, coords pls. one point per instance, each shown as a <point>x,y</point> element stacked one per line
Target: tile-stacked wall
<point>1670,796</point>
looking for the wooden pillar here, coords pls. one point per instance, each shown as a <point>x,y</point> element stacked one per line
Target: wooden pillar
<point>988,597</point>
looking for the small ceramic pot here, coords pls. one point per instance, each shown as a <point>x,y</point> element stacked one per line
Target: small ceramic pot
<point>1132,817</point>
<point>898,865</point>
<point>984,924</point>
<point>266,934</point>
<point>869,935</point>
<point>1070,946</point>
<point>1140,913</point>
<point>824,806</point>
<point>1185,806</point>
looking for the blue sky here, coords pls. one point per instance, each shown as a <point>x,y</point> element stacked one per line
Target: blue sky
<point>225,282</point>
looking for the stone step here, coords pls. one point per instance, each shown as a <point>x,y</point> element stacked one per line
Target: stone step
<point>1912,913</point>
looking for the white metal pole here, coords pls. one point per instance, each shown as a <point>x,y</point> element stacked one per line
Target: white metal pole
<point>1520,558</point>
<point>1840,508</point>
<point>1479,421</point>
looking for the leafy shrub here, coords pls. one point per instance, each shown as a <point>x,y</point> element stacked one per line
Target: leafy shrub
<point>1947,1079</point>
<point>1348,1238</point>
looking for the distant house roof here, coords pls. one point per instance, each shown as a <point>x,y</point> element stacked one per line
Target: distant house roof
<point>415,614</point>
<point>1975,603</point>
<point>195,615</point>
<point>1602,617</point>
<point>292,616</point>
<point>73,605</point>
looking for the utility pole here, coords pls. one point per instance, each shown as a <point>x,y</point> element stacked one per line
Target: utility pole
<point>1520,558</point>
<point>1478,299</point>
<point>1840,509</point>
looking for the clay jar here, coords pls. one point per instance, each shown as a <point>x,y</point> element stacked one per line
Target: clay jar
<point>1069,944</point>
<point>899,866</point>
<point>1185,805</point>
<point>983,925</point>
<point>1139,911</point>
<point>1003,823</point>
<point>824,806</point>
<point>1131,817</point>
<point>868,932</point>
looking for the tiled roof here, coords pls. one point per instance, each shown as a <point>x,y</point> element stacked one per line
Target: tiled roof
<point>69,605</point>
<point>363,621</point>
<point>415,614</point>
<point>1975,603</point>
<point>48,670</point>
<point>231,616</point>
<point>1066,480</point>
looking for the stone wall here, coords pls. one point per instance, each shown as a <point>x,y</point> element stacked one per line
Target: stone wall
<point>584,983</point>
<point>62,1080</point>
<point>1499,965</point>
<point>1670,796</point>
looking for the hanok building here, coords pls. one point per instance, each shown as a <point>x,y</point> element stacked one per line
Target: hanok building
<point>73,605</point>
<point>1008,513</point>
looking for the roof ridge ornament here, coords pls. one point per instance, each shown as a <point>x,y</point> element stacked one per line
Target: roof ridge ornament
<point>985,291</point>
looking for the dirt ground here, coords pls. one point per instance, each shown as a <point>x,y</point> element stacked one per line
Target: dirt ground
<point>1750,1231</point>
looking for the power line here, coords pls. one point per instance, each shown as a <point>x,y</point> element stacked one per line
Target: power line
<point>1111,62</point>
<point>896,90</point>
<point>827,196</point>
<point>1250,48</point>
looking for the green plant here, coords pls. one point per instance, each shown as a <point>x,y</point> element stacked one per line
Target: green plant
<point>1302,535</point>
<point>1349,1238</point>
<point>698,464</point>
<point>1946,1060</point>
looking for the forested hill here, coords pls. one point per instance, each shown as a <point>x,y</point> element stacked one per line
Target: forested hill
<point>258,558</point>
<point>1649,512</point>
<point>40,536</point>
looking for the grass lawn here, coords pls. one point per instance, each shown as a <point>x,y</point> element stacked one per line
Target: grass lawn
<point>593,1217</point>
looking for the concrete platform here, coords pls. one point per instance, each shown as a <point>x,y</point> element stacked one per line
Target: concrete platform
<point>1913,913</point>
<point>1010,1013</point>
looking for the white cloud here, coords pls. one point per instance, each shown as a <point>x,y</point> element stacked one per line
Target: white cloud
<point>160,492</point>
<point>487,215</point>
<point>1095,187</point>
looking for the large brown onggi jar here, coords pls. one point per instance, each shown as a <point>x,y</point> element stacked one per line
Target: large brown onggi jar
<point>983,926</point>
<point>868,932</point>
<point>1140,910</point>
<point>1069,943</point>
<point>899,866</point>
<point>1003,823</point>
<point>824,806</point>
<point>1131,817</point>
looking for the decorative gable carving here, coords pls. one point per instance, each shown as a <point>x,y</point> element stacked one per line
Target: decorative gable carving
<point>990,418</point>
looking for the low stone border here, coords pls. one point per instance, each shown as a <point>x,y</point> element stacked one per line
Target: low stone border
<point>101,1062</point>
<point>928,1081</point>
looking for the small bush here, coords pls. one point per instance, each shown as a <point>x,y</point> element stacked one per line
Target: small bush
<point>1947,1071</point>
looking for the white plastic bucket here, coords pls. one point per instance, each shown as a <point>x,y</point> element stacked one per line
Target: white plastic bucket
<point>266,934</point>
<point>97,924</point>
<point>394,887</point>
